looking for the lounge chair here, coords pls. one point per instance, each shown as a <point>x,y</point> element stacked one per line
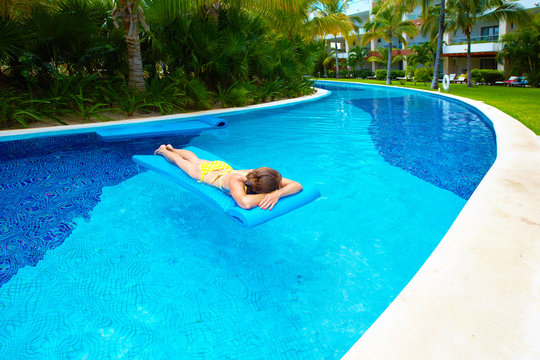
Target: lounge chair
<point>512,81</point>
<point>522,81</point>
<point>450,76</point>
<point>461,79</point>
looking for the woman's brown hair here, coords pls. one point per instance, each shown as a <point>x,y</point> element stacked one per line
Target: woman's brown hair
<point>263,180</point>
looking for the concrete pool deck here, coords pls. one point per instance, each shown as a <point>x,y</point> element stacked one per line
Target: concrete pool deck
<point>478,295</point>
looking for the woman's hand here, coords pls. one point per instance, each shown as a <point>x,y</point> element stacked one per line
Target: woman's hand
<point>269,200</point>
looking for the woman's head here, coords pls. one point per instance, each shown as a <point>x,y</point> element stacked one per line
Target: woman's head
<point>263,180</point>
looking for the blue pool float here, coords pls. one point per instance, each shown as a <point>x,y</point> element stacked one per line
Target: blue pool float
<point>160,128</point>
<point>222,200</point>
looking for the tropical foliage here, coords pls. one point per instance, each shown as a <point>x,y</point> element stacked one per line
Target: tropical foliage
<point>521,49</point>
<point>388,23</point>
<point>331,19</point>
<point>90,58</point>
<point>356,56</point>
<point>464,14</point>
<point>423,54</point>
<point>383,57</point>
<point>433,19</point>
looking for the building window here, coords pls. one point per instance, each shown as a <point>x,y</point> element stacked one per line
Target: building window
<point>490,33</point>
<point>488,64</point>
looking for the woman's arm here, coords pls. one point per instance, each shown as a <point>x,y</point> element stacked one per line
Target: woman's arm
<point>287,187</point>
<point>264,201</point>
<point>245,201</point>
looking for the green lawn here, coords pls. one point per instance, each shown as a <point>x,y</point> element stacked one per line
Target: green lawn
<point>522,104</point>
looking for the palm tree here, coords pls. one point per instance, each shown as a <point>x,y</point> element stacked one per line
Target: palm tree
<point>464,14</point>
<point>131,14</point>
<point>427,11</point>
<point>288,18</point>
<point>435,80</point>
<point>383,58</point>
<point>387,23</point>
<point>331,19</point>
<point>295,18</point>
<point>424,54</point>
<point>327,63</point>
<point>357,55</point>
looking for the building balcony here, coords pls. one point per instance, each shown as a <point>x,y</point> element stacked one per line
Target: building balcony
<point>395,52</point>
<point>480,46</point>
<point>358,7</point>
<point>475,39</point>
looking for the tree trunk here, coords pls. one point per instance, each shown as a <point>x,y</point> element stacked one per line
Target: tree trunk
<point>435,81</point>
<point>130,21</point>
<point>389,68</point>
<point>337,59</point>
<point>469,80</point>
<point>136,78</point>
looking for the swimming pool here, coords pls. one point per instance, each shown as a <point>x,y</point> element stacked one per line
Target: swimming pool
<point>135,266</point>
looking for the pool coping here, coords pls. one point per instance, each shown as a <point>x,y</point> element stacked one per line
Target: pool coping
<point>19,134</point>
<point>478,295</point>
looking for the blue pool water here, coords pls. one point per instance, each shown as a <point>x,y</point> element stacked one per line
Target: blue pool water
<point>99,259</point>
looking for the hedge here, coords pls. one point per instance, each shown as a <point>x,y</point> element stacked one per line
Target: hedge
<point>362,74</point>
<point>381,74</point>
<point>486,76</point>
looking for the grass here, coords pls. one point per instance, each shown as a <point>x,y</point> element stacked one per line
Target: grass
<point>523,104</point>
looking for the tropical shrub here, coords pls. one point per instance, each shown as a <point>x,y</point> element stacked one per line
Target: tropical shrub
<point>422,75</point>
<point>12,38</point>
<point>487,76</point>
<point>269,90</point>
<point>236,95</point>
<point>197,95</point>
<point>381,74</point>
<point>128,101</point>
<point>409,72</point>
<point>397,73</point>
<point>423,54</point>
<point>22,108</point>
<point>163,95</point>
<point>66,31</point>
<point>298,87</point>
<point>88,108</point>
<point>356,56</point>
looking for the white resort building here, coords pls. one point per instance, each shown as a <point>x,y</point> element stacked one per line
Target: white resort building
<point>485,38</point>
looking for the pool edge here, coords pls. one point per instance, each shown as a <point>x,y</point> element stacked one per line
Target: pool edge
<point>477,296</point>
<point>18,134</point>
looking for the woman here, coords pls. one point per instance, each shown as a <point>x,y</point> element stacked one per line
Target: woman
<point>260,187</point>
